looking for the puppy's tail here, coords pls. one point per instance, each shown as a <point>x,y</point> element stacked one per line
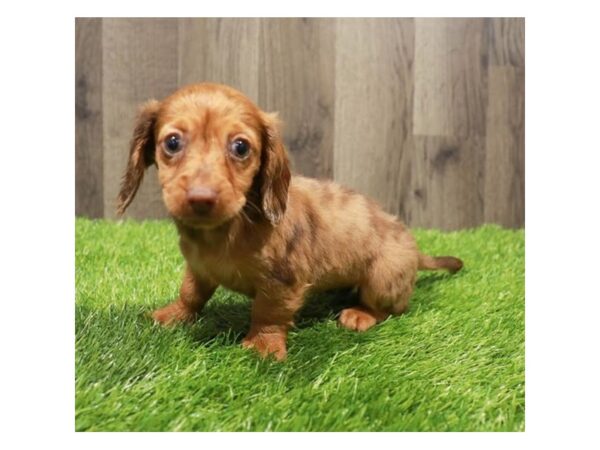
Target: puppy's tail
<point>450,263</point>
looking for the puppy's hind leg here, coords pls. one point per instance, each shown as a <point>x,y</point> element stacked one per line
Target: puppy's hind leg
<point>385,291</point>
<point>360,318</point>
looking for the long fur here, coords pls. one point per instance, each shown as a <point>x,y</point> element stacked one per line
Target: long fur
<point>271,236</point>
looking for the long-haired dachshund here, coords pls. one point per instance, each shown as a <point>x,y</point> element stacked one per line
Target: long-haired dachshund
<point>245,223</point>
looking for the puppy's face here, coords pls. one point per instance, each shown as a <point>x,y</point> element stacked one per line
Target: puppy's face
<point>216,152</point>
<point>208,151</point>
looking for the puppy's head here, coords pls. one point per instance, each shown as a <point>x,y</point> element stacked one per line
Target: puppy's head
<point>216,154</point>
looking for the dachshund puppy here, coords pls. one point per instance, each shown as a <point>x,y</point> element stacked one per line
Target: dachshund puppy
<point>245,223</point>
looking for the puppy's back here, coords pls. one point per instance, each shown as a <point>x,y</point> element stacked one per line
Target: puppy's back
<point>341,230</point>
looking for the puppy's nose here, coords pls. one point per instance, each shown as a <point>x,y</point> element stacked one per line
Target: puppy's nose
<point>201,199</point>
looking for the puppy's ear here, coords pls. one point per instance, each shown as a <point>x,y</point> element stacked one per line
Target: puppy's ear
<point>141,154</point>
<point>274,175</point>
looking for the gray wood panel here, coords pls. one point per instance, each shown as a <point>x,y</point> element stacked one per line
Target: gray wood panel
<point>450,72</point>
<point>507,41</point>
<point>424,115</point>
<point>373,107</point>
<point>297,69</point>
<point>504,188</point>
<point>451,58</point>
<point>505,148</point>
<point>88,118</point>
<point>140,62</point>
<point>220,51</point>
<point>447,185</point>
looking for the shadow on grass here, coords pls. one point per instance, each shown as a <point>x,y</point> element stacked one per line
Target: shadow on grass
<point>315,342</point>
<point>312,343</point>
<point>426,295</point>
<point>227,317</point>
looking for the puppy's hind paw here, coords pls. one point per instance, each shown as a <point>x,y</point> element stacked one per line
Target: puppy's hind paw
<point>358,318</point>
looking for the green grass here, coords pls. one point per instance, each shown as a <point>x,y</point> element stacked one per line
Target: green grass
<point>454,362</point>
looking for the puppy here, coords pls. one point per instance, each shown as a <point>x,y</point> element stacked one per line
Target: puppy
<point>245,223</point>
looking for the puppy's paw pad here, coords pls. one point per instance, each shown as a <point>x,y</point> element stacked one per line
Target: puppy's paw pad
<point>357,319</point>
<point>267,345</point>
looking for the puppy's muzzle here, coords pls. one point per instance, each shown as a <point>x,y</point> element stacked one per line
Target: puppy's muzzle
<point>201,199</point>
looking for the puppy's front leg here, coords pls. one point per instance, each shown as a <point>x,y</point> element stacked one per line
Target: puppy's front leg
<point>272,317</point>
<point>193,295</point>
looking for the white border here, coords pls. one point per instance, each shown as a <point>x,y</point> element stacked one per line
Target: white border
<point>37,186</point>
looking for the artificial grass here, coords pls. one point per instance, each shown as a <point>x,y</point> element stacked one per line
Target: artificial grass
<point>453,362</point>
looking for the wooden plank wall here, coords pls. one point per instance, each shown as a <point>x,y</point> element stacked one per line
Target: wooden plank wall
<point>89,173</point>
<point>425,115</point>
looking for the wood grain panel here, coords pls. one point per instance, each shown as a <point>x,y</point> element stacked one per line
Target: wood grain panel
<point>425,115</point>
<point>373,103</point>
<point>221,51</point>
<point>451,57</point>
<point>88,118</point>
<point>505,148</point>
<point>447,182</point>
<point>507,41</point>
<point>297,68</point>
<point>433,89</point>
<point>140,62</point>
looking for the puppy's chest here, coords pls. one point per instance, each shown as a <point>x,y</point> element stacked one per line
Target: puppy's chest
<point>232,272</point>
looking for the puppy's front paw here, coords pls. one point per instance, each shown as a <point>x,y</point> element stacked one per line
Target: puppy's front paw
<point>267,344</point>
<point>174,313</point>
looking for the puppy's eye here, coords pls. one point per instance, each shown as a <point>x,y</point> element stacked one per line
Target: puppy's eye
<point>240,149</point>
<point>172,144</point>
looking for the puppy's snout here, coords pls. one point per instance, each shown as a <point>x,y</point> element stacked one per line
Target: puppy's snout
<point>201,199</point>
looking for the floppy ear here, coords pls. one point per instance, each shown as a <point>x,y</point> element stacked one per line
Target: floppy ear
<point>141,154</point>
<point>274,175</point>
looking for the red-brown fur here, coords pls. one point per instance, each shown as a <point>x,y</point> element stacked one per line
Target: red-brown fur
<point>268,235</point>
